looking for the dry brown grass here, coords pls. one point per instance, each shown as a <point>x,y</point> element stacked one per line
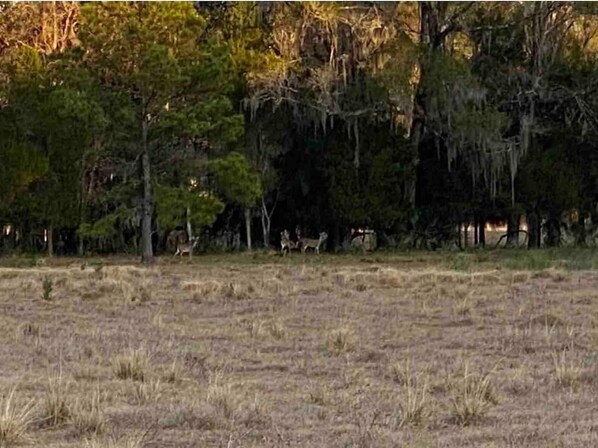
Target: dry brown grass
<point>414,403</point>
<point>220,394</point>
<point>15,419</point>
<point>87,415</point>
<point>56,407</point>
<point>567,372</point>
<point>473,396</point>
<point>129,441</point>
<point>131,365</point>
<point>328,351</point>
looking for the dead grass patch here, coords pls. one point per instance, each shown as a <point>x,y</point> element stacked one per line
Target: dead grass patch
<point>220,395</point>
<point>547,319</point>
<point>567,373</point>
<point>128,441</point>
<point>317,371</point>
<point>205,289</point>
<point>341,340</point>
<point>552,274</point>
<point>237,291</point>
<point>87,415</point>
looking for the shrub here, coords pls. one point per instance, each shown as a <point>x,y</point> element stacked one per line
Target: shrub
<point>47,285</point>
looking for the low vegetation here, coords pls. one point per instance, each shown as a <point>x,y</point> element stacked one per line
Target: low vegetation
<point>382,350</point>
<point>15,419</point>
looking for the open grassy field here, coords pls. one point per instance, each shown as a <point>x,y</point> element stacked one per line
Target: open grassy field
<point>485,349</point>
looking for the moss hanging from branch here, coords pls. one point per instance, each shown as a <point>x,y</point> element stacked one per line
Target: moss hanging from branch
<point>324,51</point>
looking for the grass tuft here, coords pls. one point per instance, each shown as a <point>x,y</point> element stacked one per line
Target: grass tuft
<point>341,340</point>
<point>88,416</point>
<point>473,397</point>
<point>567,374</point>
<point>413,404</point>
<point>147,392</point>
<point>56,408</point>
<point>132,365</point>
<point>220,395</point>
<point>14,420</point>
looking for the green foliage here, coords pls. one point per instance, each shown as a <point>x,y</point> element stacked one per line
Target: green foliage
<point>172,203</point>
<point>104,227</point>
<point>21,165</point>
<point>164,67</point>
<point>235,179</point>
<point>343,115</point>
<point>47,286</point>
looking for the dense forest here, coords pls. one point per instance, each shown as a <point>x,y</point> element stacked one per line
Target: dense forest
<point>127,126</point>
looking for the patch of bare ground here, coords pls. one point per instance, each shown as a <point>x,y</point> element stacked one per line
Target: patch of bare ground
<point>308,351</point>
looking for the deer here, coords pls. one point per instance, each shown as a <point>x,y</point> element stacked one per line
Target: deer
<point>183,248</point>
<point>286,242</point>
<point>313,243</point>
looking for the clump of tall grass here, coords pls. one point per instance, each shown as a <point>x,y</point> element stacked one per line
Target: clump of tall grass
<point>473,396</point>
<point>56,406</point>
<point>88,416</point>
<point>132,365</point>
<point>341,340</point>
<point>220,395</point>
<point>567,374</point>
<point>413,403</point>
<point>147,392</point>
<point>15,419</point>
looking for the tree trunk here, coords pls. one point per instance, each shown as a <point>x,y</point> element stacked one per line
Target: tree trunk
<point>580,234</point>
<point>465,234</point>
<point>147,254</point>
<point>431,40</point>
<point>50,242</point>
<point>513,230</point>
<point>476,232</point>
<point>266,221</point>
<point>533,229</point>
<point>553,232</point>
<point>482,232</point>
<point>248,226</point>
<point>188,220</point>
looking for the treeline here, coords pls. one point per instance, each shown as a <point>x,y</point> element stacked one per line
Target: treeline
<point>126,127</point>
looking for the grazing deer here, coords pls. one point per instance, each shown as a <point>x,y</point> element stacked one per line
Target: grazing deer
<point>315,244</point>
<point>286,242</point>
<point>183,248</point>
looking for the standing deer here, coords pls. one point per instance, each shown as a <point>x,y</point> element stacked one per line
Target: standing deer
<point>313,243</point>
<point>286,243</point>
<point>183,248</point>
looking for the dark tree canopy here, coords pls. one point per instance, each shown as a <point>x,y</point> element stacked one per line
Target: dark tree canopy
<point>121,123</point>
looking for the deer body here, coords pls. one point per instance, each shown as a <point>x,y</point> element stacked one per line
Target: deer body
<point>186,248</point>
<point>313,243</point>
<point>286,242</point>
